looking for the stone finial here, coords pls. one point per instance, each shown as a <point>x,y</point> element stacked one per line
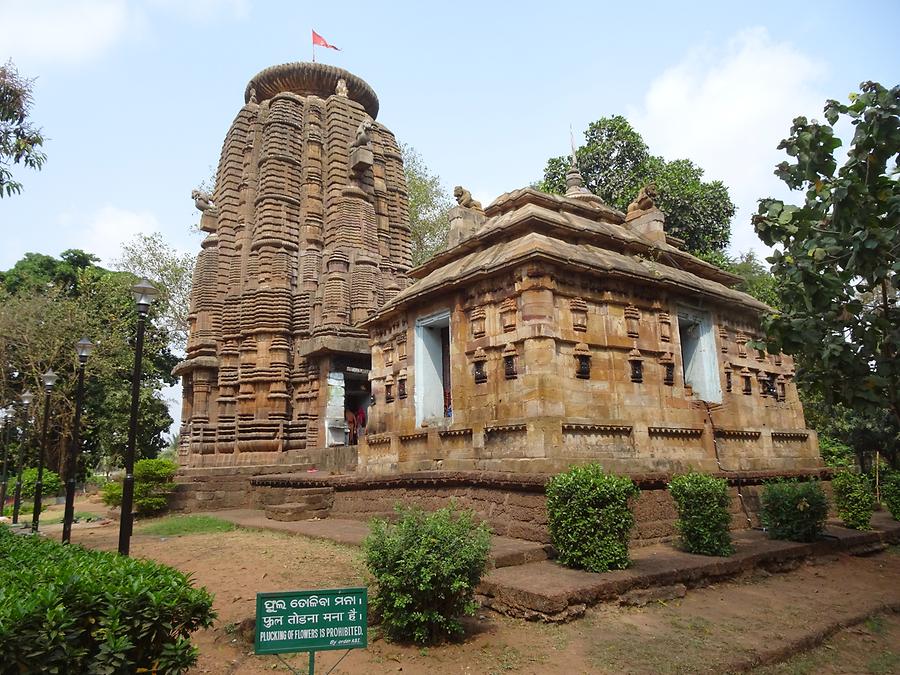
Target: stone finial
<point>464,199</point>
<point>575,186</point>
<point>645,200</point>
<point>341,88</point>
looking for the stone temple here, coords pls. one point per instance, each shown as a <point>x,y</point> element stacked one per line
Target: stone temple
<point>554,330</point>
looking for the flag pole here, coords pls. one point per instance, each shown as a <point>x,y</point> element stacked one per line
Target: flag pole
<point>314,52</point>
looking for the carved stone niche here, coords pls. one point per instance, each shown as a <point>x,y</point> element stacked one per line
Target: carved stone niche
<point>636,365</point>
<point>476,322</point>
<point>401,384</point>
<point>668,363</point>
<point>766,384</point>
<point>632,321</point>
<point>746,380</point>
<point>582,361</point>
<point>479,358</point>
<point>665,327</point>
<point>741,340</point>
<point>729,384</point>
<point>401,348</point>
<point>508,310</point>
<point>782,389</point>
<point>389,389</point>
<point>578,308</point>
<point>388,353</point>
<point>510,370</point>
<point>723,338</point>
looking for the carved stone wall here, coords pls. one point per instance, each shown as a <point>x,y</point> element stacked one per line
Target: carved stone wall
<point>299,252</point>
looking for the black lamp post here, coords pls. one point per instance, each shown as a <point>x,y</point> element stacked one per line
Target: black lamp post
<point>49,379</point>
<point>5,418</point>
<point>144,294</point>
<point>27,397</point>
<point>84,349</point>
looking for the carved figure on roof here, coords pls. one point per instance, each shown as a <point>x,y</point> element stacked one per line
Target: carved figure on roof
<point>203,202</point>
<point>464,199</point>
<point>341,88</point>
<point>362,139</point>
<point>252,95</point>
<point>645,200</point>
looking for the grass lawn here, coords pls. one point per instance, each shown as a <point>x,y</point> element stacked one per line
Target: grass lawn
<point>174,526</point>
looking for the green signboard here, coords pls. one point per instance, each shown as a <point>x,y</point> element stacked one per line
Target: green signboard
<point>310,621</point>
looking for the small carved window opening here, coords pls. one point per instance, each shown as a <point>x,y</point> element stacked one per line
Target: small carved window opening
<point>729,386</point>
<point>389,355</point>
<point>669,378</point>
<point>509,363</point>
<point>723,339</point>
<point>479,370</point>
<point>388,392</point>
<point>583,361</point>
<point>401,385</point>
<point>747,384</point>
<point>782,390</point>
<point>636,363</point>
<point>741,340</point>
<point>769,387</point>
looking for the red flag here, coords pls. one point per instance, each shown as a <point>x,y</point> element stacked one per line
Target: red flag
<point>321,42</point>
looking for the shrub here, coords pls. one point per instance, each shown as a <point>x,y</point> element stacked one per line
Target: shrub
<point>703,516</point>
<point>794,511</point>
<point>590,518</point>
<point>153,481</point>
<point>52,483</point>
<point>836,454</point>
<point>853,499</point>
<point>426,568</point>
<point>890,493</point>
<point>73,610</point>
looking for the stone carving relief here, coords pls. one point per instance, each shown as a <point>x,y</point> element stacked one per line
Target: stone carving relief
<point>464,199</point>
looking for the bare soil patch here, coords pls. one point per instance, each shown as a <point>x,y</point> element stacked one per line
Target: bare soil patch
<point>721,628</point>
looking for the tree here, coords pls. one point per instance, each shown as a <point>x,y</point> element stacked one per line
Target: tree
<point>756,278</point>
<point>40,322</point>
<point>616,163</point>
<point>837,263</point>
<point>149,256</point>
<point>429,204</point>
<point>19,140</point>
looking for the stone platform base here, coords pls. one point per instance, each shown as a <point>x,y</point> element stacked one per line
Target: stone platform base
<point>513,505</point>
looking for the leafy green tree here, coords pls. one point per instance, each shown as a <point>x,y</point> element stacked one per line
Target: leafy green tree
<point>429,204</point>
<point>616,162</point>
<point>20,142</point>
<point>837,258</point>
<point>150,256</point>
<point>40,323</point>
<point>757,280</point>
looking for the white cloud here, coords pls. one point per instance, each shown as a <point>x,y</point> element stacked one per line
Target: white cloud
<point>727,108</point>
<point>103,231</point>
<point>60,30</point>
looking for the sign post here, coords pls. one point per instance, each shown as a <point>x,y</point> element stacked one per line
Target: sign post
<point>311,621</point>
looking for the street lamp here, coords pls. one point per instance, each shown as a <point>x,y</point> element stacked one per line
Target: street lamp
<point>83,349</point>
<point>49,379</point>
<point>144,295</point>
<point>27,397</point>
<point>5,418</point>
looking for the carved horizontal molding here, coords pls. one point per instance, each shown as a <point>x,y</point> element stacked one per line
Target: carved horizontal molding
<point>454,432</point>
<point>737,433</point>
<point>790,435</point>
<point>407,438</point>
<point>505,428</point>
<point>623,429</point>
<point>378,440</point>
<point>690,432</point>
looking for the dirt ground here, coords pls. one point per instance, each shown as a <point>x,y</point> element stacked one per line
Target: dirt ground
<point>721,628</point>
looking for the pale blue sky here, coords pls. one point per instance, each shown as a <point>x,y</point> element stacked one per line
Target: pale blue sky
<point>135,97</point>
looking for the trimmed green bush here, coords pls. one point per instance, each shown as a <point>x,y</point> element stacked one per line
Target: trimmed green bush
<point>793,510</point>
<point>52,483</point>
<point>890,493</point>
<point>153,481</point>
<point>590,518</point>
<point>836,454</point>
<point>853,499</point>
<point>703,517</point>
<point>65,609</point>
<point>426,569</point>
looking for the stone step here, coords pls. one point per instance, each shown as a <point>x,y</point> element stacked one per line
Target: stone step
<point>295,511</point>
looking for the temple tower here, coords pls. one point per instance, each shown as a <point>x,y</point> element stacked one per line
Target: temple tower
<point>308,237</point>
